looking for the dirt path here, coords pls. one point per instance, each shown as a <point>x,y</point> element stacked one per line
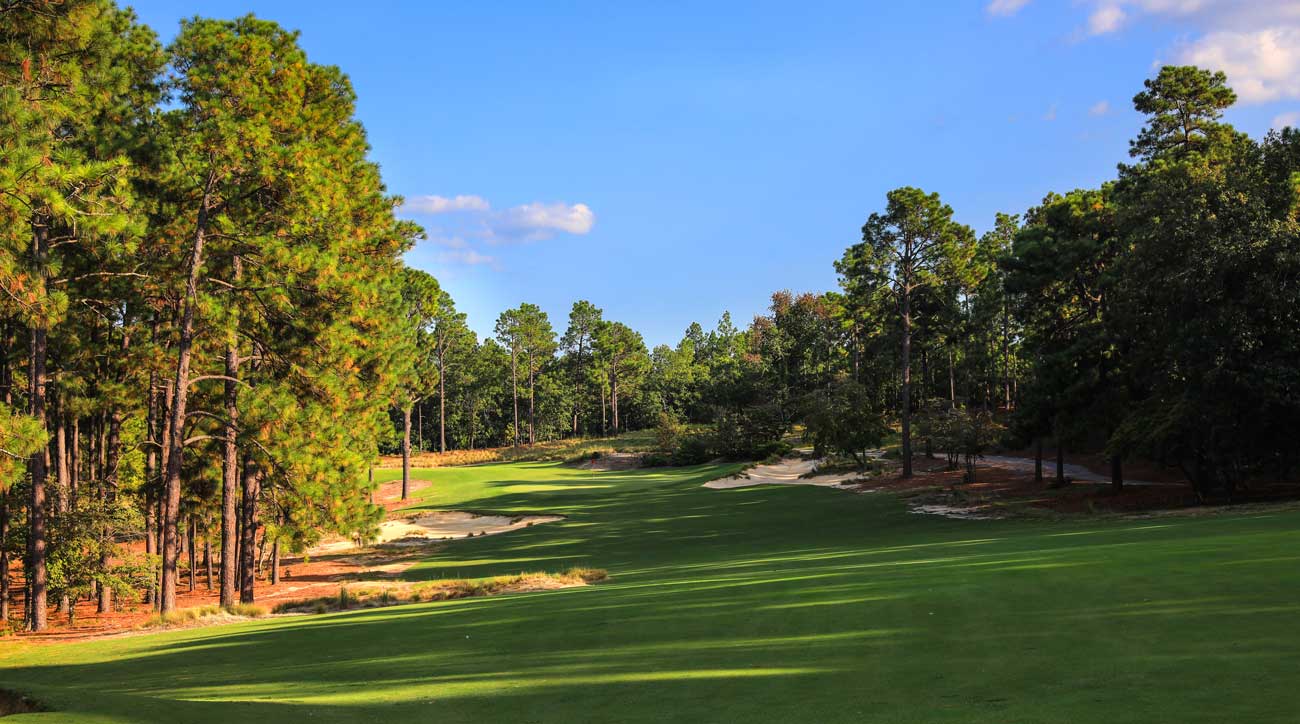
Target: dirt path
<point>1075,472</point>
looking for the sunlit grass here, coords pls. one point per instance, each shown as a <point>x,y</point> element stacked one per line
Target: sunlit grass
<point>756,605</point>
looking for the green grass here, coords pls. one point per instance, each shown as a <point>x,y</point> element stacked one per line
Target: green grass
<point>774,604</point>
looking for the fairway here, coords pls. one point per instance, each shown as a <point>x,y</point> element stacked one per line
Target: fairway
<point>765,604</point>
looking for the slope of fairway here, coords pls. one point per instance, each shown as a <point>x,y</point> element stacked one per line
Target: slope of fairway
<point>766,604</point>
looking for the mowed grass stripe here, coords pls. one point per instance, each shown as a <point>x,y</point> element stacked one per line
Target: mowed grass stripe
<point>770,604</point>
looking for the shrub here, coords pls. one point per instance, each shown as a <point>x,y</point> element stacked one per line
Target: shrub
<point>841,421</point>
<point>667,431</point>
<point>693,450</point>
<point>656,460</point>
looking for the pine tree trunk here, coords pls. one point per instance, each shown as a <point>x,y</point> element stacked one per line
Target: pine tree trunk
<point>1038,459</point>
<point>207,553</point>
<point>112,457</point>
<point>230,463</point>
<point>60,443</point>
<point>906,401</point>
<point>275,562</point>
<point>149,548</point>
<point>191,554</point>
<point>442,406</point>
<point>1060,462</point>
<point>1116,473</point>
<point>4,557</point>
<point>35,572</point>
<point>952,380</point>
<point>406,451</point>
<point>150,473</point>
<point>176,422</point>
<point>248,544</point>
<point>514,391</point>
<point>532,415</point>
<point>1006,353</point>
<point>613,394</point>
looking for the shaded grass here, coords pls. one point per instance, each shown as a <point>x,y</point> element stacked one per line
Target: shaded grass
<point>766,604</point>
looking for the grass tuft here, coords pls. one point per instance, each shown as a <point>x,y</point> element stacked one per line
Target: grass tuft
<point>446,590</point>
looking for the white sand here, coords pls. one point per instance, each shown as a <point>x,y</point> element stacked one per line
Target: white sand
<point>435,525</point>
<point>785,472</point>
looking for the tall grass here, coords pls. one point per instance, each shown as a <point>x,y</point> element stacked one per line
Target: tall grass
<point>444,591</point>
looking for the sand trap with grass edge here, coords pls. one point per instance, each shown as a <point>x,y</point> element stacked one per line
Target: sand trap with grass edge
<point>425,526</point>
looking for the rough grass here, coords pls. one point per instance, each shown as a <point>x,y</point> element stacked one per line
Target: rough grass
<point>444,590</point>
<point>766,604</point>
<point>211,613</point>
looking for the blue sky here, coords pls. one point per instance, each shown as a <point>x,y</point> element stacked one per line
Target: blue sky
<point>672,160</point>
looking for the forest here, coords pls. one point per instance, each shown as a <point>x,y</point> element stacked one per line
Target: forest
<point>210,335</point>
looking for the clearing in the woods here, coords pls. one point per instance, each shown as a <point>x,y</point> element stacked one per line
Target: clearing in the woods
<point>773,603</point>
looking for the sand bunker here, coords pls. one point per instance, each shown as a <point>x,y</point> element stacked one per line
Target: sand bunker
<point>424,527</point>
<point>786,472</point>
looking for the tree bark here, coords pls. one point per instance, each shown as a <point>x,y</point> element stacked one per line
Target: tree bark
<point>248,545</point>
<point>193,556</point>
<point>952,380</point>
<point>406,451</point>
<point>112,457</point>
<point>207,553</point>
<point>906,401</point>
<point>176,423</point>
<point>60,443</point>
<point>35,572</point>
<point>1038,460</point>
<point>1060,462</point>
<point>514,391</point>
<point>1006,352</point>
<point>230,459</point>
<point>442,405</point>
<point>532,398</point>
<point>1116,473</point>
<point>4,557</point>
<point>275,562</point>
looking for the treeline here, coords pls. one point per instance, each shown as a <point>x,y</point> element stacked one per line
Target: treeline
<point>1157,316</point>
<point>202,320</point>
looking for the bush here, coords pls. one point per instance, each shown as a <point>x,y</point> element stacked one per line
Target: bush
<point>656,460</point>
<point>745,433</point>
<point>840,421</point>
<point>693,450</point>
<point>667,431</point>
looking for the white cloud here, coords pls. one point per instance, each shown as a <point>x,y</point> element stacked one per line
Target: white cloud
<point>1100,108</point>
<point>443,205</point>
<point>458,224</point>
<point>1262,66</point>
<point>1106,19</point>
<point>539,220</point>
<point>466,256</point>
<point>1256,42</point>
<point>1291,119</point>
<point>1005,7</point>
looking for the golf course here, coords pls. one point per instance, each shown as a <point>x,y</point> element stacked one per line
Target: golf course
<point>755,604</point>
<point>626,363</point>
